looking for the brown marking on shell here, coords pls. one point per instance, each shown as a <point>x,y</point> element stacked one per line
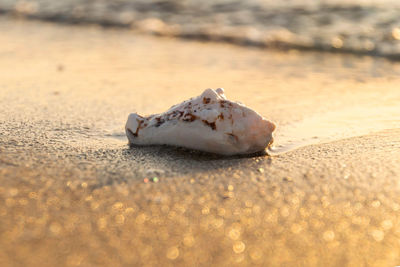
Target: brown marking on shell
<point>206,100</point>
<point>210,124</point>
<point>136,134</point>
<point>159,122</point>
<point>189,117</point>
<point>221,116</point>
<point>132,133</point>
<point>222,103</point>
<point>174,114</point>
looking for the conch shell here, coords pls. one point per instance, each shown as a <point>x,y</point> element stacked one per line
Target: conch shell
<point>208,123</point>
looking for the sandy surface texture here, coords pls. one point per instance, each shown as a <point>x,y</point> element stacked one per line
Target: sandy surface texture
<point>73,193</point>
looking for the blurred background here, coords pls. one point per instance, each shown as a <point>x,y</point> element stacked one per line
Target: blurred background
<point>359,26</point>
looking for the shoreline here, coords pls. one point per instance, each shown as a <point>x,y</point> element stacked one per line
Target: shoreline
<point>161,31</point>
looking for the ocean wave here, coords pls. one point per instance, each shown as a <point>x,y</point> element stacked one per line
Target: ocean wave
<point>362,27</point>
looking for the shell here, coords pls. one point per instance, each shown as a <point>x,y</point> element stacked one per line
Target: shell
<point>208,123</point>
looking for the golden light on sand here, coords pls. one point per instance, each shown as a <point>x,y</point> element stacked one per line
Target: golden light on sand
<point>337,42</point>
<point>328,235</point>
<point>188,240</point>
<point>377,235</point>
<point>173,253</point>
<point>234,233</point>
<point>239,247</point>
<point>396,33</point>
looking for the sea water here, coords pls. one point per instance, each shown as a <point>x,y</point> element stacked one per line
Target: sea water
<point>358,26</point>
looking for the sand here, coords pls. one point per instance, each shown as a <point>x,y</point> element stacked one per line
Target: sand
<point>73,193</point>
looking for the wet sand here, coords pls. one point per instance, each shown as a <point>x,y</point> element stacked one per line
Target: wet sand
<point>74,194</point>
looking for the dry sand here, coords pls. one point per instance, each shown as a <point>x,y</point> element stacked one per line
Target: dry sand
<point>72,192</point>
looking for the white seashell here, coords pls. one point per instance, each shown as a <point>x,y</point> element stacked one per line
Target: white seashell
<point>208,123</point>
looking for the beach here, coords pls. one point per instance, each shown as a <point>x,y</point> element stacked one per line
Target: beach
<point>73,193</point>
